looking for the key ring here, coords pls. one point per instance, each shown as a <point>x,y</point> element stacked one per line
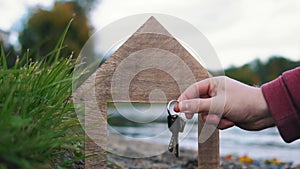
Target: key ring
<point>169,105</point>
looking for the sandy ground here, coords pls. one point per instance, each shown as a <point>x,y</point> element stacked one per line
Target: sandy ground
<point>164,160</point>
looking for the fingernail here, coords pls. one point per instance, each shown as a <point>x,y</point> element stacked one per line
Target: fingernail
<point>176,107</point>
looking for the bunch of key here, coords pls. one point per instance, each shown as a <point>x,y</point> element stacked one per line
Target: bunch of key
<point>175,124</point>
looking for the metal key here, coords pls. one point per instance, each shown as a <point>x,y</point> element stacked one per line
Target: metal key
<point>175,124</point>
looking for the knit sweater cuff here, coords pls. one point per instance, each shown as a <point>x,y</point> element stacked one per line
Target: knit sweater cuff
<point>283,110</point>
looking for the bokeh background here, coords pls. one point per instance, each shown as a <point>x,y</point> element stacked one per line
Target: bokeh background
<point>255,41</point>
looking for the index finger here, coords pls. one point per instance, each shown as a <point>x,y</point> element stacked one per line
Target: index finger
<point>196,90</point>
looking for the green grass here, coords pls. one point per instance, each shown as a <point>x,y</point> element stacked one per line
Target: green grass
<point>38,126</point>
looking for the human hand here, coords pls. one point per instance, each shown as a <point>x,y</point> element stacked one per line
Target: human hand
<point>226,102</point>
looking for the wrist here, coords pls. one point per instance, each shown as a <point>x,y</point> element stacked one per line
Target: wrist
<point>261,103</point>
<point>263,112</point>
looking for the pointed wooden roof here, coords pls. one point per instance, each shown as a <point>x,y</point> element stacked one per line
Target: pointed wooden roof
<point>153,26</point>
<point>173,67</point>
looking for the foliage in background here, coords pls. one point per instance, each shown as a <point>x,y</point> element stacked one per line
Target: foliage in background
<point>257,72</point>
<point>38,127</point>
<point>87,5</point>
<point>44,28</point>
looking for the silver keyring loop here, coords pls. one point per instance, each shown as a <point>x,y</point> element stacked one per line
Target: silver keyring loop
<point>169,105</point>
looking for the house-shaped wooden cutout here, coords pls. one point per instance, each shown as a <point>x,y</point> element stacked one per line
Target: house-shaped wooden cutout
<point>151,35</point>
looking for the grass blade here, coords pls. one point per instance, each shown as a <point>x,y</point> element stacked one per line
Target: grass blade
<point>3,59</point>
<point>59,45</point>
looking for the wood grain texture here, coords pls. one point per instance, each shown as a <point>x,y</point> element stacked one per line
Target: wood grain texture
<point>208,152</point>
<point>151,66</point>
<point>95,123</point>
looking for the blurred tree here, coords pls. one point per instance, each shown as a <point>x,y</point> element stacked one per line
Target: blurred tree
<point>87,5</point>
<point>275,66</point>
<point>244,74</point>
<point>257,72</point>
<point>45,27</point>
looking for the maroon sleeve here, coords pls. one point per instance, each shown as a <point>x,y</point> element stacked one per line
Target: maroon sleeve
<point>283,98</point>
